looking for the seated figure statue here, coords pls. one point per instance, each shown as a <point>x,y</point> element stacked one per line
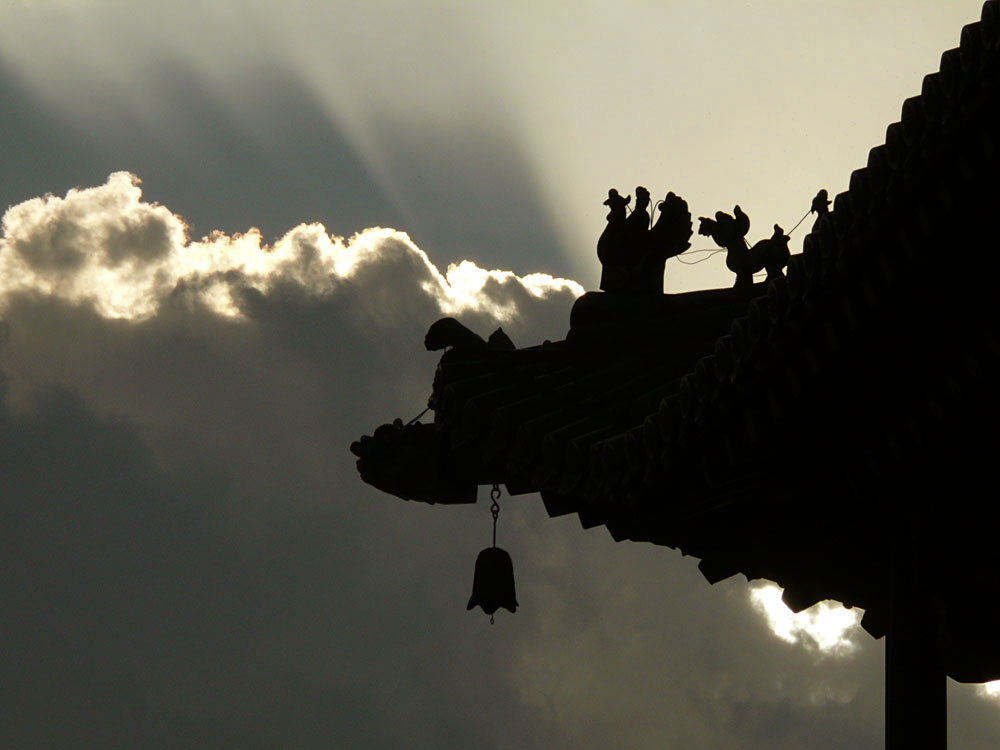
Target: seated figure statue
<point>633,256</point>
<point>611,243</point>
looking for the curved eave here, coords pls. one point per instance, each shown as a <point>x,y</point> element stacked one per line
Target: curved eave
<point>811,419</point>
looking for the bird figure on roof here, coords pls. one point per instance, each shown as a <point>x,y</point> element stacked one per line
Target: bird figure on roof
<point>821,207</point>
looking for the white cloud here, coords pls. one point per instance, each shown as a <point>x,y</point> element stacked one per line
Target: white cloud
<point>826,626</point>
<point>989,690</point>
<point>107,246</point>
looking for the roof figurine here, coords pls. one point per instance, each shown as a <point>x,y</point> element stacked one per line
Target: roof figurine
<point>729,231</point>
<point>821,203</point>
<point>668,238</point>
<point>614,274</point>
<point>633,256</point>
<point>636,225</point>
<point>617,204</point>
<point>820,207</point>
<point>449,333</point>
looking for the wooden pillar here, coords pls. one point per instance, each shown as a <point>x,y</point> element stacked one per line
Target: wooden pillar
<point>915,683</point>
<point>915,698</point>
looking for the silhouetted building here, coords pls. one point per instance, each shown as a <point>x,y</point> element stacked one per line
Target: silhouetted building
<point>832,430</point>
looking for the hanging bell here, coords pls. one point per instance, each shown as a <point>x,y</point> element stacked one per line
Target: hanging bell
<point>493,584</point>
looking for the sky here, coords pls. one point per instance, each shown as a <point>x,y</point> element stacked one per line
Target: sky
<point>225,233</point>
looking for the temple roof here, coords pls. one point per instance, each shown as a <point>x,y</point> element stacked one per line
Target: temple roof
<point>779,431</point>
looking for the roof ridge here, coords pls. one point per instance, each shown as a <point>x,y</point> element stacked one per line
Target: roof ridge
<point>828,251</point>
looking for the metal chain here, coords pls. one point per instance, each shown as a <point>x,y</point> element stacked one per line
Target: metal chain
<point>495,509</point>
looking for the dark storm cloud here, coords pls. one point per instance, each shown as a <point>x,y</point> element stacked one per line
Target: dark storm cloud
<point>142,611</point>
<point>240,590</point>
<point>108,568</point>
<point>189,556</point>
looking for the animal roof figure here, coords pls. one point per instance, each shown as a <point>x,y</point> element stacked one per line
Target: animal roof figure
<point>729,230</point>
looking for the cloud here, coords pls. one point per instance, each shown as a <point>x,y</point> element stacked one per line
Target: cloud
<point>827,626</point>
<point>188,554</point>
<point>125,256</point>
<point>188,550</point>
<point>104,226</point>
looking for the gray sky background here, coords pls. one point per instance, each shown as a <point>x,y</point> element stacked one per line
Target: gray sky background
<point>188,557</point>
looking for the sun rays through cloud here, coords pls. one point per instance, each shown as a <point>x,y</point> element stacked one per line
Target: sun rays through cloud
<point>186,357</point>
